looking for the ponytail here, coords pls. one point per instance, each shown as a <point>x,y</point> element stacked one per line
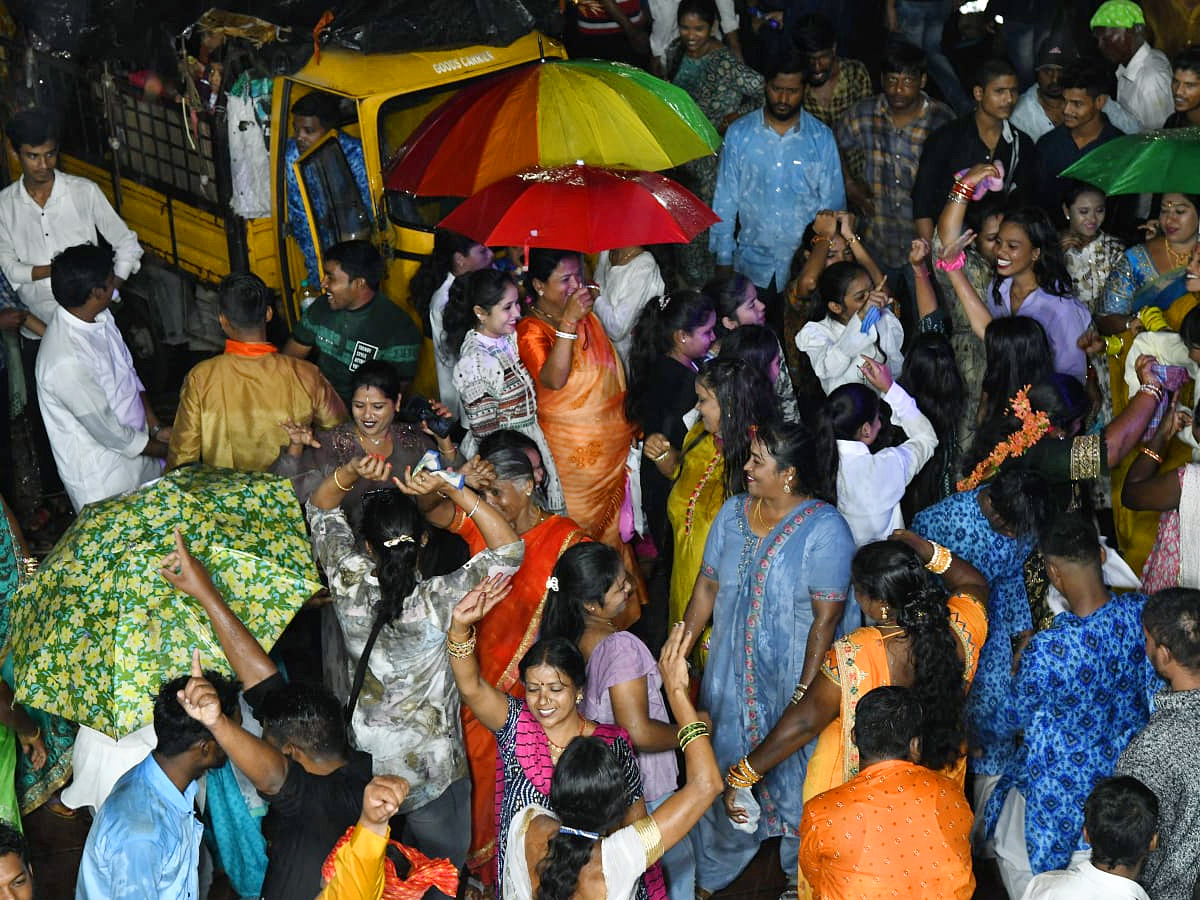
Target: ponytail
<point>832,286</point>
<point>582,575</point>
<point>846,410</point>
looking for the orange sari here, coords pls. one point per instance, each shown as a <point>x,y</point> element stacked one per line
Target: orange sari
<point>587,432</point>
<point>502,638</point>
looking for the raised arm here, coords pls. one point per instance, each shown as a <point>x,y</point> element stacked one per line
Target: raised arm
<point>1145,487</point>
<point>493,527</point>
<point>1123,432</point>
<point>557,368</point>
<point>489,704</point>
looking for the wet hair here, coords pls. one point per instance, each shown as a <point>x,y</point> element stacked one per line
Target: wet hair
<point>1050,268</point>
<point>244,299</point>
<point>991,69</point>
<point>746,400</point>
<point>788,64</point>
<point>814,32</point>
<point>904,58</point>
<point>587,793</point>
<point>358,259</point>
<point>1076,189</point>
<point>1172,618</point>
<point>377,373</point>
<point>1188,60</point>
<point>32,128</point>
<point>1072,537</point>
<point>847,409</point>
<point>791,446</point>
<point>390,516</point>
<point>892,573</point>
<point>557,653</point>
<point>542,263</point>
<point>307,715</point>
<point>832,286</point>
<point>1018,353</point>
<point>1084,75</point>
<point>1121,818</point>
<point>1189,329</point>
<point>434,269</point>
<point>321,106</point>
<point>585,572</point>
<point>728,292</point>
<point>1020,498</point>
<point>78,271</point>
<point>756,344</point>
<point>653,338</point>
<point>932,378</point>
<point>13,842</point>
<point>886,720</point>
<point>705,9</point>
<point>484,288</point>
<point>177,732</point>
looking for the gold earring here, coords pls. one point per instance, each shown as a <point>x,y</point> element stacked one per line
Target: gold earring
<point>787,488</point>
<point>883,615</point>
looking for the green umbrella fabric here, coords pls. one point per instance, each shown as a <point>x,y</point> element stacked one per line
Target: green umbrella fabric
<point>1150,162</point>
<point>97,630</point>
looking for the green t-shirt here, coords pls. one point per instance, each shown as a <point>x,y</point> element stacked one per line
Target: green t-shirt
<point>345,339</point>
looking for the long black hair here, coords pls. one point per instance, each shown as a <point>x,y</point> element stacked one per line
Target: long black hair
<point>847,409</point>
<point>434,269</point>
<point>1018,353</point>
<point>587,793</point>
<point>756,344</point>
<point>746,400</point>
<point>791,446</point>
<point>654,337</point>
<point>728,292</point>
<point>892,573</point>
<point>931,376</point>
<point>584,574</point>
<point>1061,397</point>
<point>484,288</point>
<point>1050,267</point>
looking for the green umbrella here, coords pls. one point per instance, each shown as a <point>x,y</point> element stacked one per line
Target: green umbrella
<point>1150,162</point>
<point>97,630</point>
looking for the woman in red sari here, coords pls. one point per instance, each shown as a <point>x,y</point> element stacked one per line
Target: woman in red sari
<point>510,629</point>
<point>580,388</point>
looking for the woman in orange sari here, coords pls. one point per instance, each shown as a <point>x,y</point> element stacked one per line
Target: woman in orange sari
<point>503,636</point>
<point>922,639</point>
<point>580,389</point>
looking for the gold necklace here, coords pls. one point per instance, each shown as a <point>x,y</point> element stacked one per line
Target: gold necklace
<point>553,320</point>
<point>1178,259</point>
<point>557,749</point>
<point>762,522</point>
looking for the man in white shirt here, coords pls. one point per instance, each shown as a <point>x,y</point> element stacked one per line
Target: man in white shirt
<point>1143,73</point>
<point>1120,821</point>
<point>106,438</point>
<point>42,214</point>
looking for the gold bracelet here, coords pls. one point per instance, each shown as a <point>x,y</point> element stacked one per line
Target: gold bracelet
<point>798,693</point>
<point>742,775</point>
<point>683,745</point>
<point>941,559</point>
<point>341,487</point>
<point>28,568</point>
<point>1150,453</point>
<point>461,649</point>
<point>660,456</point>
<point>648,831</point>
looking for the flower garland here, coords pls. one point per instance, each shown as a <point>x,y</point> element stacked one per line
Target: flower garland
<point>1034,426</point>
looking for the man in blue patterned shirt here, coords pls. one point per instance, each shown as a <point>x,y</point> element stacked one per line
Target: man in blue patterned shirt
<point>779,167</point>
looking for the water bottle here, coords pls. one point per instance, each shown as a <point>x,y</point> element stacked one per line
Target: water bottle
<point>307,295</point>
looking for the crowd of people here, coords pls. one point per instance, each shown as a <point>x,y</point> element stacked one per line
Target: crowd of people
<point>891,469</point>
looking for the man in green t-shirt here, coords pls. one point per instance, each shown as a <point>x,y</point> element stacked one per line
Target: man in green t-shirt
<point>352,322</point>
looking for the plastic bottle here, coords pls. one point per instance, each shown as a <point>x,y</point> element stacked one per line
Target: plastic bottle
<point>307,294</point>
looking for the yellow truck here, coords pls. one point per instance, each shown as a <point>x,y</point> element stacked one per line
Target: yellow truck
<point>166,166</point>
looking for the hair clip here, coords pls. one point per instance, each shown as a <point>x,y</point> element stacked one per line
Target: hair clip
<point>590,835</point>
<point>400,539</point>
<point>663,301</point>
<point>552,583</point>
<point>753,433</point>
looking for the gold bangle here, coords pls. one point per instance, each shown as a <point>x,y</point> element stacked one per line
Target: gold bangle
<point>1150,453</point>
<point>651,837</point>
<point>341,487</point>
<point>683,745</point>
<point>688,733</point>
<point>660,456</point>
<point>798,693</point>
<point>461,649</point>
<point>941,559</point>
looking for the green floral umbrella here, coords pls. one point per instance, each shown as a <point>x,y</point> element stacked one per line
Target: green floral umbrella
<point>1150,162</point>
<point>97,630</point>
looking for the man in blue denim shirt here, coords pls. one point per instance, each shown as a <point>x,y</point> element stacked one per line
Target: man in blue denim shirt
<point>779,166</point>
<point>145,842</point>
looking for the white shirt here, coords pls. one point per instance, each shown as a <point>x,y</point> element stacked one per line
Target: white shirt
<point>1029,117</point>
<point>1084,882</point>
<point>92,406</point>
<point>624,292</point>
<point>835,350</point>
<point>32,235</point>
<point>443,358</point>
<point>871,485</point>
<point>1144,87</point>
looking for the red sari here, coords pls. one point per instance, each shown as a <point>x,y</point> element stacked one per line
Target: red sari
<point>502,638</point>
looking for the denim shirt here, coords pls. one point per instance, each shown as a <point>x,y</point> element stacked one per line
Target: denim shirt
<point>774,185</point>
<point>145,842</point>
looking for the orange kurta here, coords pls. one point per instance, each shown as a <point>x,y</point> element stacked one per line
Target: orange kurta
<point>895,830</point>
<point>502,638</point>
<point>586,429</point>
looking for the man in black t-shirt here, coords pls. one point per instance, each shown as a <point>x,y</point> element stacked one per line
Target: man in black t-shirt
<point>302,765</point>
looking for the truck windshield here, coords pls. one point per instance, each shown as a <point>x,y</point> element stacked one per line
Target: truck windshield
<point>338,213</point>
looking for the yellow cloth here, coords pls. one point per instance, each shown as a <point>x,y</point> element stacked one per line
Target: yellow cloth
<point>701,459</point>
<point>358,867</point>
<point>231,406</point>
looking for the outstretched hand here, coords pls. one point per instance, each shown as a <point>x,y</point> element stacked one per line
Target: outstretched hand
<point>672,661</point>
<point>199,698</point>
<point>372,468</point>
<point>480,601</point>
<point>958,245</point>
<point>184,571</point>
<point>300,435</point>
<point>877,374</point>
<point>420,484</point>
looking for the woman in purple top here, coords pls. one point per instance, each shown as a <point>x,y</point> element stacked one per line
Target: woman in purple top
<point>1032,280</point>
<point>586,594</point>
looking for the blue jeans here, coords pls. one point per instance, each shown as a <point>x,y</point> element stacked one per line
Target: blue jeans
<point>922,24</point>
<point>679,863</point>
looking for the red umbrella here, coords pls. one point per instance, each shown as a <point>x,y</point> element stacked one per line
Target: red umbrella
<point>582,208</point>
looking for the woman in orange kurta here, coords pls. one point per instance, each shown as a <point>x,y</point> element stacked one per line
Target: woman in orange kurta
<point>503,636</point>
<point>580,390</point>
<point>923,640</point>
